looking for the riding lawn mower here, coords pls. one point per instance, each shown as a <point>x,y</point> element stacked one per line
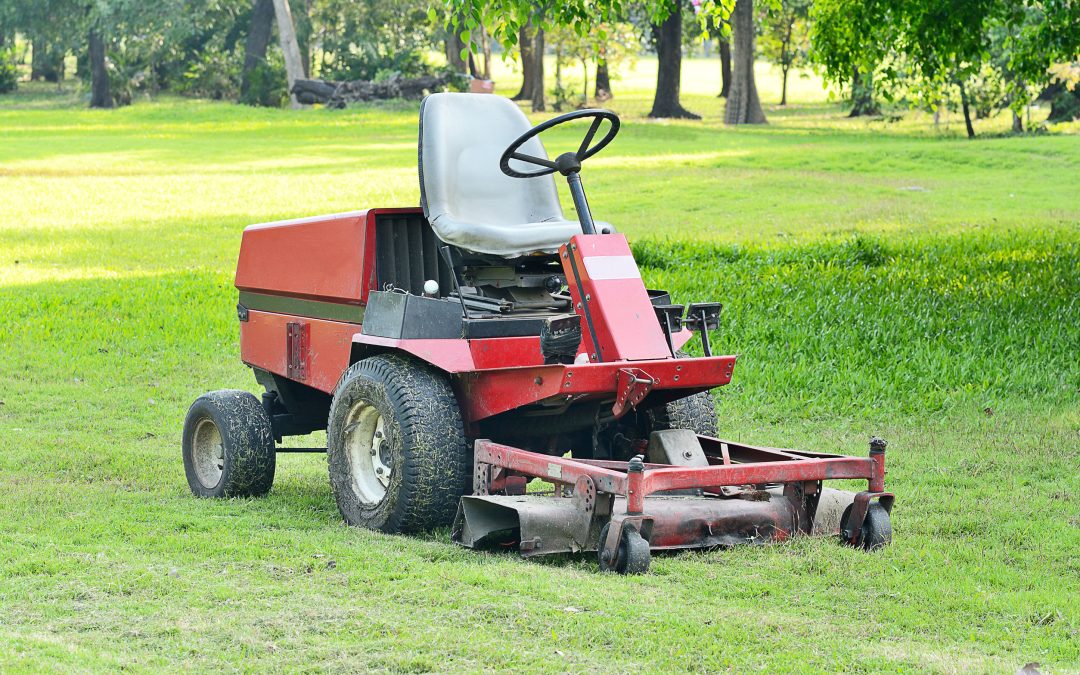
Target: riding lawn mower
<point>484,363</point>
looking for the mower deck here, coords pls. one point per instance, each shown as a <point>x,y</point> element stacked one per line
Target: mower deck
<point>740,494</point>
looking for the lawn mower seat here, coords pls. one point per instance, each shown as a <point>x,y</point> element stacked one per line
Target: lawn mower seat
<point>468,200</point>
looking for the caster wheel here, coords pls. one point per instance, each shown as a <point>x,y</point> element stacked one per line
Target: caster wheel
<point>876,531</point>
<point>633,555</point>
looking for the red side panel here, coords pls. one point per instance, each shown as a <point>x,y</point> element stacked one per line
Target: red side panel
<point>312,351</point>
<point>618,321</point>
<point>319,258</point>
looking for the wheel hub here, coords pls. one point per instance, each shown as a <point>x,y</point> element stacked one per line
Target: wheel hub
<point>208,453</point>
<point>368,450</point>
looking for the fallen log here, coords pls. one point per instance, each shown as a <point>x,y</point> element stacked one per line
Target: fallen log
<point>339,94</point>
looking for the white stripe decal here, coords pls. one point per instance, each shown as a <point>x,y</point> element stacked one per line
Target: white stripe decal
<point>602,267</point>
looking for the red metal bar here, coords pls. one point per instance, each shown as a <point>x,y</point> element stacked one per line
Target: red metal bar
<point>567,471</point>
<point>682,478</point>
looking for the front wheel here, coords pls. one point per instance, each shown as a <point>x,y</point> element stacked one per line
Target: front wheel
<point>228,446</point>
<point>396,446</point>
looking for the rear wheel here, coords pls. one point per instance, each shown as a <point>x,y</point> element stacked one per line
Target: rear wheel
<point>228,446</point>
<point>396,447</point>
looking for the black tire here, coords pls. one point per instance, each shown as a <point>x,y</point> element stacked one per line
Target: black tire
<point>633,556</point>
<point>228,446</point>
<point>418,454</point>
<point>696,412</point>
<point>876,531</point>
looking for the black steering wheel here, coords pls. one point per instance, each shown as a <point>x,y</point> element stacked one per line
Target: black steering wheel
<point>569,162</point>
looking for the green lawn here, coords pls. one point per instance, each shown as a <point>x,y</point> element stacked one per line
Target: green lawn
<point>877,277</point>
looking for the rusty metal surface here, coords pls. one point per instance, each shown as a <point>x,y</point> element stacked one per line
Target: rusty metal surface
<point>536,525</point>
<point>733,509</point>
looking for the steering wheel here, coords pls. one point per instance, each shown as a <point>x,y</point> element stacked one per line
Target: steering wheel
<point>569,162</point>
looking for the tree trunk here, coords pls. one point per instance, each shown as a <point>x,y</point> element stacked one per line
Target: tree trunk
<point>967,111</point>
<point>585,85</point>
<point>862,95</point>
<point>603,81</point>
<point>100,96</point>
<point>559,93</point>
<point>1064,106</point>
<point>37,59</point>
<point>258,38</point>
<point>786,58</point>
<point>46,61</point>
<point>485,48</point>
<point>525,47</point>
<point>303,37</point>
<point>454,45</point>
<point>669,67</point>
<point>725,68</point>
<point>743,104</point>
<point>1017,123</point>
<point>294,65</point>
<point>538,72</point>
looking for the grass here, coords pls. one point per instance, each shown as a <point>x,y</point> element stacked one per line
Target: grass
<point>877,278</point>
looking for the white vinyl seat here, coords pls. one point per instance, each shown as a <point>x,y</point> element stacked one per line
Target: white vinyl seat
<point>468,200</point>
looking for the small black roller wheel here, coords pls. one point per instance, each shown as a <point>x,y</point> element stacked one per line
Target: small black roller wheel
<point>228,446</point>
<point>396,446</point>
<point>633,555</point>
<point>876,531</point>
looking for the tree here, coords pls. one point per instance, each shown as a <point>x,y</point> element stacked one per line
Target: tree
<point>669,66</point>
<point>786,40</point>
<point>294,66</point>
<point>862,94</point>
<point>260,27</point>
<point>743,104</point>
<point>505,19</point>
<point>945,44</point>
<point>525,54</point>
<point>724,47</point>
<point>100,91</point>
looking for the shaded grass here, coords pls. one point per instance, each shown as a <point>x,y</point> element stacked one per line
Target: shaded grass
<point>944,318</point>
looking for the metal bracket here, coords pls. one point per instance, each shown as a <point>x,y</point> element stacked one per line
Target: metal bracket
<point>703,317</point>
<point>632,385</point>
<point>296,347</point>
<point>671,321</point>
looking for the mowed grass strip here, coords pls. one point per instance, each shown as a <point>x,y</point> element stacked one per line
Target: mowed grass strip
<point>882,281</point>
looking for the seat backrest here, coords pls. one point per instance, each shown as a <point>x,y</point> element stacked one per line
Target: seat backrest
<point>462,137</point>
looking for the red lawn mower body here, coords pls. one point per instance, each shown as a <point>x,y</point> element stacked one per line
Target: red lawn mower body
<point>304,285</point>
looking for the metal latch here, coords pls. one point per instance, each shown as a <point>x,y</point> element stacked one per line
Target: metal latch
<point>632,385</point>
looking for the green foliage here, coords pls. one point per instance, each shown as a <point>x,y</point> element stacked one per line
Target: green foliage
<point>9,74</point>
<point>373,39</point>
<point>266,85</point>
<point>616,43</point>
<point>785,35</point>
<point>505,18</point>
<point>942,44</point>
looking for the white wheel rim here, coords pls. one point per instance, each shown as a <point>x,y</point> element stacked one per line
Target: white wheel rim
<point>364,438</point>
<point>208,453</point>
